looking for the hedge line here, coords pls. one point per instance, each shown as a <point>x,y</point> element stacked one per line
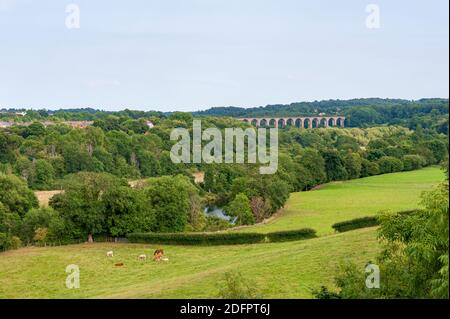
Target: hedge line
<point>288,235</point>
<point>197,238</point>
<point>356,223</point>
<point>363,222</point>
<point>219,238</point>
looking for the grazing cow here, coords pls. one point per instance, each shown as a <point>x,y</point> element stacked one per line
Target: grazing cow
<point>109,254</point>
<point>158,254</point>
<point>142,257</point>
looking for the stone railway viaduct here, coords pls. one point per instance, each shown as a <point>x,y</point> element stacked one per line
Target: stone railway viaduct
<point>297,121</point>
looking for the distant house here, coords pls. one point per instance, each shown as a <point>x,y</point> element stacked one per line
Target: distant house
<point>150,124</point>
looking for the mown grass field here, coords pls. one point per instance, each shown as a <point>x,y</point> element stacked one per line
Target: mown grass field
<point>279,270</point>
<point>340,201</point>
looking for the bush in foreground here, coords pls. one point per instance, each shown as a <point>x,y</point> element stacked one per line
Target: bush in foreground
<point>235,286</point>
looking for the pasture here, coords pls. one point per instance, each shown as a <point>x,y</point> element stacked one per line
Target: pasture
<point>279,270</point>
<point>340,201</point>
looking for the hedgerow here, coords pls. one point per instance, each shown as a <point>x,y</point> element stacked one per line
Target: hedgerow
<point>197,238</point>
<point>362,222</point>
<point>223,238</point>
<point>289,235</point>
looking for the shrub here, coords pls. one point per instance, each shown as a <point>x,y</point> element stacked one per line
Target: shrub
<point>289,235</point>
<point>9,242</point>
<point>324,293</point>
<point>214,223</point>
<point>38,219</point>
<point>197,238</point>
<point>40,234</point>
<point>237,287</point>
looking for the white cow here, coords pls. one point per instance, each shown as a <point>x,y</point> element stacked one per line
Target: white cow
<point>110,254</point>
<point>142,257</point>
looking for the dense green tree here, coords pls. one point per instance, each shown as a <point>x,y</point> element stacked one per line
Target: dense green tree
<point>334,165</point>
<point>148,163</point>
<point>42,175</point>
<point>411,162</point>
<point>347,143</point>
<point>389,164</point>
<point>81,203</point>
<point>414,260</point>
<point>15,196</point>
<point>360,116</point>
<point>369,168</point>
<point>34,129</point>
<point>353,165</point>
<point>240,208</point>
<point>277,191</point>
<point>169,197</point>
<point>314,163</point>
<point>439,149</point>
<point>42,218</point>
<point>8,145</point>
<point>9,221</point>
<point>126,211</point>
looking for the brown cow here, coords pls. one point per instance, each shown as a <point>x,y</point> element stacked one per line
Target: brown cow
<point>158,254</point>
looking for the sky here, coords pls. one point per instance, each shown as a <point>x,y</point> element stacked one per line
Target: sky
<point>189,55</point>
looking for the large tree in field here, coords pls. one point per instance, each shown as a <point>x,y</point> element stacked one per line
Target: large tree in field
<point>82,201</point>
<point>171,199</point>
<point>126,211</point>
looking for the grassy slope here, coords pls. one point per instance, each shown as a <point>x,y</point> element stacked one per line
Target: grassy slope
<point>339,201</point>
<point>282,270</point>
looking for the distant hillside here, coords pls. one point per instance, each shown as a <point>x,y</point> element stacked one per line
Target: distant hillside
<point>360,112</point>
<point>428,113</point>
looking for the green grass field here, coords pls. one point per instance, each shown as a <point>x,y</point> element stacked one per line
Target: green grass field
<point>339,201</point>
<point>280,270</point>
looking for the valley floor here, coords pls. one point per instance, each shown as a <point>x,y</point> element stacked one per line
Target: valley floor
<point>279,270</point>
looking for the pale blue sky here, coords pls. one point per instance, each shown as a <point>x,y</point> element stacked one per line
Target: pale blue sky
<point>193,54</point>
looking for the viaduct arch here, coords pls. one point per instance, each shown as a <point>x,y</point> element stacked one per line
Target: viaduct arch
<point>297,121</point>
